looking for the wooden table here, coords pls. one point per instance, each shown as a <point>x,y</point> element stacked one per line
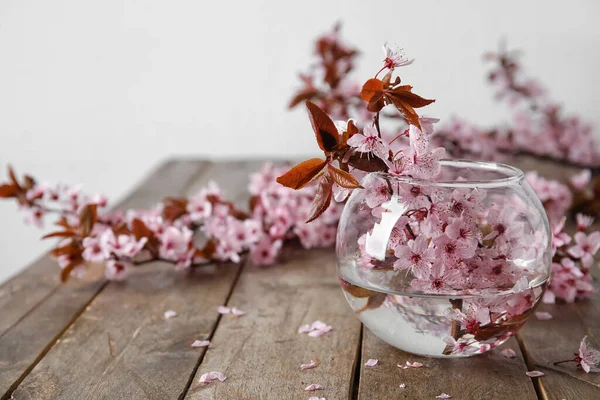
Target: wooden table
<point>108,340</point>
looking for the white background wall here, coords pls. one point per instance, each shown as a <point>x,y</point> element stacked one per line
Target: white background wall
<point>98,92</point>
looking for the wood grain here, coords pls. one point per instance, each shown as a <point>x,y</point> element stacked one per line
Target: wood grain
<point>261,352</point>
<point>121,347</point>
<point>488,376</point>
<point>36,329</point>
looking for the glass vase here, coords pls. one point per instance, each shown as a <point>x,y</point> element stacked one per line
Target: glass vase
<point>448,267</point>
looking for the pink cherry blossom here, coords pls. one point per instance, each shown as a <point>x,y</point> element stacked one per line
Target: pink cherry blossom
<point>266,251</point>
<point>461,346</point>
<point>176,244</point>
<point>116,270</point>
<point>439,280</point>
<point>588,357</point>
<point>369,142</point>
<point>121,245</point>
<point>581,180</point>
<point>585,247</point>
<point>34,216</point>
<point>377,193</point>
<point>92,250</point>
<point>421,160</point>
<point>452,250</point>
<point>464,229</point>
<point>416,257</point>
<point>559,238</point>
<point>583,222</point>
<point>413,196</point>
<point>394,56</point>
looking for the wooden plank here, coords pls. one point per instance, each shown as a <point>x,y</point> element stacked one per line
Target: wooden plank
<point>547,342</point>
<point>261,352</point>
<point>121,347</point>
<point>487,376</point>
<point>27,340</point>
<point>22,293</point>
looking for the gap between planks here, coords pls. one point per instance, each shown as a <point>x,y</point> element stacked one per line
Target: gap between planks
<point>530,362</point>
<point>355,382</point>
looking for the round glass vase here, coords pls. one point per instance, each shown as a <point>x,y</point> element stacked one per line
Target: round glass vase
<point>447,267</point>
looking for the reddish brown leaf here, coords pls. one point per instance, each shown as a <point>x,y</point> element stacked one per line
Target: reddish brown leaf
<point>70,249</point>
<point>373,302</point>
<point>326,132</point>
<point>13,178</point>
<point>207,251</point>
<point>28,182</point>
<point>371,88</point>
<point>8,190</point>
<point>367,162</point>
<point>174,208</point>
<point>356,291</point>
<point>377,102</point>
<point>87,218</point>
<point>121,229</point>
<point>254,202</point>
<point>65,273</point>
<point>322,198</point>
<point>140,230</point>
<point>343,178</point>
<point>62,234</point>
<point>405,94</point>
<point>408,113</point>
<point>303,95</point>
<point>302,174</point>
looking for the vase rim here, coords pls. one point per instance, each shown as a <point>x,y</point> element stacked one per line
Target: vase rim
<point>511,175</point>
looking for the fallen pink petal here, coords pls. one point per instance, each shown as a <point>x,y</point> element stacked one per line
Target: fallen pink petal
<point>416,364</point>
<point>310,365</point>
<point>313,387</point>
<point>543,316</point>
<point>316,398</point>
<point>402,385</point>
<point>200,343</point>
<point>223,310</point>
<point>217,375</point>
<point>534,374</point>
<point>508,353</point>
<point>170,314</point>
<point>371,362</point>
<point>316,329</point>
<point>443,396</point>
<point>237,312</point>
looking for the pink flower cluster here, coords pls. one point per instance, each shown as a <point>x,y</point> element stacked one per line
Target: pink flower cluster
<point>278,214</point>
<point>572,259</point>
<point>555,196</point>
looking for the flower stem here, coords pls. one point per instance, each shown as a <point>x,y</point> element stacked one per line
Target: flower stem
<point>457,304</point>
